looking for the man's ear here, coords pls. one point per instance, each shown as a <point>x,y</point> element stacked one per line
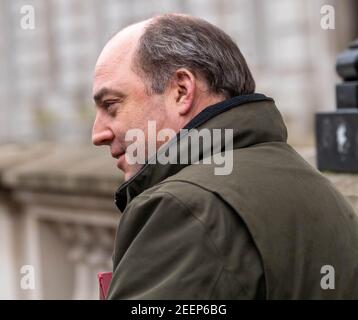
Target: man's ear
<point>183,86</point>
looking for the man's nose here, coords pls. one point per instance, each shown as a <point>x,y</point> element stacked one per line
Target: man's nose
<point>101,133</point>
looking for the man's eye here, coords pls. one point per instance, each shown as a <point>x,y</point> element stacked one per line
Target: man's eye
<point>108,104</point>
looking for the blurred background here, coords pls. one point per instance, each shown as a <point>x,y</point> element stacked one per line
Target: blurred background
<point>56,206</point>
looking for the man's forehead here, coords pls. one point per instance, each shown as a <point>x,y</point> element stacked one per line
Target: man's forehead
<point>115,59</point>
<point>122,45</point>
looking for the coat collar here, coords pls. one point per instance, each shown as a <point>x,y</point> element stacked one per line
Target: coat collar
<point>254,119</point>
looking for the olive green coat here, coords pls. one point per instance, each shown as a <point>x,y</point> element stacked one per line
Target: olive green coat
<point>263,231</point>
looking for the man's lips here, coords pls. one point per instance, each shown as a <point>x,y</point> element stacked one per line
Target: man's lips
<point>120,158</point>
<point>117,155</point>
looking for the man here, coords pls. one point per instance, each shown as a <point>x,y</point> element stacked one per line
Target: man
<point>271,228</point>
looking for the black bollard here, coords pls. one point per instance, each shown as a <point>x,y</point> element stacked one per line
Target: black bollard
<point>347,69</point>
<point>337,132</point>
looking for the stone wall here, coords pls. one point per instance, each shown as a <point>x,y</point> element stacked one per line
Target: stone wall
<point>56,215</point>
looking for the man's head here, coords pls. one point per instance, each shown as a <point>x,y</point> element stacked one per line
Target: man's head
<point>166,69</point>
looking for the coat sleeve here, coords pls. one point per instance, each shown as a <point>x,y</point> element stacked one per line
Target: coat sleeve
<point>164,251</point>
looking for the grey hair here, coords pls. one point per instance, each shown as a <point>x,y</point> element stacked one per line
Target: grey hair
<point>174,41</point>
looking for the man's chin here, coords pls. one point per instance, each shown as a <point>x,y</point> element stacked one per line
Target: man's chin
<point>128,175</point>
<point>131,171</point>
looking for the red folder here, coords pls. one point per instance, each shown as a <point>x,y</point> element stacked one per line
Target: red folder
<point>104,280</point>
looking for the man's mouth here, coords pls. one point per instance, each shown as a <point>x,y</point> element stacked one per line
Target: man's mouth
<point>120,161</point>
<point>119,157</point>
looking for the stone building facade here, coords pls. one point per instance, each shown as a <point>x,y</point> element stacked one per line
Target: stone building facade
<point>45,83</point>
<point>57,217</point>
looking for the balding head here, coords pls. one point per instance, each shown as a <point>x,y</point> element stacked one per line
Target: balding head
<point>121,46</point>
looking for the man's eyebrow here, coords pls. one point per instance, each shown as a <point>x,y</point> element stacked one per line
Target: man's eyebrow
<point>106,91</point>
